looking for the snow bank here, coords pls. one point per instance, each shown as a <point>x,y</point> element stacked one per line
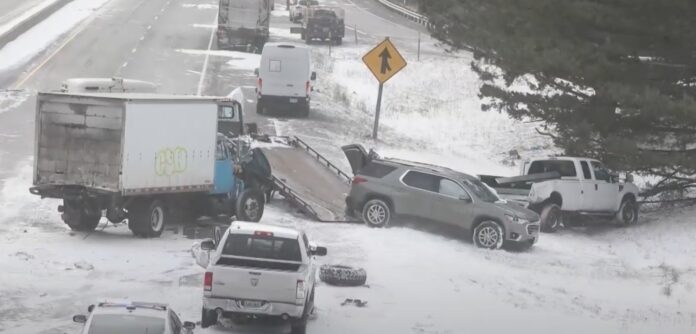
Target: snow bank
<point>12,99</point>
<point>24,16</point>
<point>238,60</point>
<point>37,39</point>
<point>199,6</point>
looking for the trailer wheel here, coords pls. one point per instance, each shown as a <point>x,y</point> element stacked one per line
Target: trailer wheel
<point>250,205</point>
<point>148,220</point>
<point>75,215</point>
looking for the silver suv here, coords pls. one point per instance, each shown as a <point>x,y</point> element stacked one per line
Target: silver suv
<point>384,188</point>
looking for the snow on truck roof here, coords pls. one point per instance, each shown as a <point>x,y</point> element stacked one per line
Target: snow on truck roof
<point>251,228</point>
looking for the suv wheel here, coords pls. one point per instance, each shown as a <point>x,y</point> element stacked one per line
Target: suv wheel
<point>376,213</point>
<point>489,234</point>
<point>551,218</point>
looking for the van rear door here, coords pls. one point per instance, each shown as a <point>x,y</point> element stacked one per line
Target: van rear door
<point>285,71</point>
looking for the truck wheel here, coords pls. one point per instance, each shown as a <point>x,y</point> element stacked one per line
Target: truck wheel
<point>299,326</point>
<point>148,220</point>
<point>208,318</point>
<point>250,205</point>
<point>551,218</point>
<point>489,234</point>
<point>342,275</point>
<point>628,213</point>
<point>376,213</point>
<point>75,215</point>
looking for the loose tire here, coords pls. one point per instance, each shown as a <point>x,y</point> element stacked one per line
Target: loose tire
<point>208,318</point>
<point>342,275</point>
<point>77,218</point>
<point>628,213</point>
<point>148,220</point>
<point>551,218</point>
<point>489,234</point>
<point>250,205</point>
<point>376,213</point>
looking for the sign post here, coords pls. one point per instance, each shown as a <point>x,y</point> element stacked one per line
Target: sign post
<point>384,60</point>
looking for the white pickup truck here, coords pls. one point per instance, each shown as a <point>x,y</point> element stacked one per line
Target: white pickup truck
<point>258,271</point>
<point>558,188</point>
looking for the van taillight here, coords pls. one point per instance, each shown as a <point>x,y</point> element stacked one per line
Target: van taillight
<point>208,281</point>
<point>358,180</point>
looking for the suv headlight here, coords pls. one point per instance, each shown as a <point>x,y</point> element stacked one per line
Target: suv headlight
<point>516,219</point>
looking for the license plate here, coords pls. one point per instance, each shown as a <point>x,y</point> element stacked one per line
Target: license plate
<point>252,303</point>
<point>293,100</point>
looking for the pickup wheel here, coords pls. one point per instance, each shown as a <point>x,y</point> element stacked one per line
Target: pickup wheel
<point>77,218</point>
<point>208,318</point>
<point>299,326</point>
<point>628,213</point>
<point>259,108</point>
<point>489,234</point>
<point>250,205</point>
<point>376,213</point>
<point>551,218</point>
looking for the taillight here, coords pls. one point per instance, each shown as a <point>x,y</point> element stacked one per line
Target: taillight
<point>359,180</point>
<point>208,281</point>
<point>259,83</point>
<point>263,234</point>
<point>307,87</point>
<point>300,289</point>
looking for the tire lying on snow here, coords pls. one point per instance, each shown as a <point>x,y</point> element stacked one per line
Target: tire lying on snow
<point>342,275</point>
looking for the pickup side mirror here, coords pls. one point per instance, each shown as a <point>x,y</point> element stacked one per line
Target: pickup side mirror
<point>629,178</point>
<point>256,71</point>
<point>319,251</point>
<point>80,318</point>
<point>313,76</point>
<point>207,245</point>
<point>189,325</point>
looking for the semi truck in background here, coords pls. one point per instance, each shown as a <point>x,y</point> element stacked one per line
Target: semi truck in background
<point>151,159</point>
<point>243,25</point>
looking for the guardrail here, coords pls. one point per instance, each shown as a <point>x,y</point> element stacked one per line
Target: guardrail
<point>408,13</point>
<point>297,142</point>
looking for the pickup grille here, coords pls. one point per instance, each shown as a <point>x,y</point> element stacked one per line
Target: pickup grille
<point>532,229</point>
<point>271,265</point>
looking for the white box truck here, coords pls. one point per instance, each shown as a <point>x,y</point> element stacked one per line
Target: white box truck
<point>143,157</point>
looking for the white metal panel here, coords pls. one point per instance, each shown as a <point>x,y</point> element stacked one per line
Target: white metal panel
<point>284,71</point>
<point>168,146</point>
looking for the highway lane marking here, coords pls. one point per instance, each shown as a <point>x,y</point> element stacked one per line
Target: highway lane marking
<point>207,59</point>
<point>142,38</point>
<point>134,50</point>
<point>358,30</point>
<point>149,27</point>
<point>124,64</point>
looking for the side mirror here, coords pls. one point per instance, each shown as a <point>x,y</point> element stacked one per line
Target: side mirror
<point>80,318</point>
<point>207,245</point>
<point>256,71</point>
<point>189,325</point>
<point>90,308</point>
<point>313,76</point>
<point>319,251</point>
<point>465,199</point>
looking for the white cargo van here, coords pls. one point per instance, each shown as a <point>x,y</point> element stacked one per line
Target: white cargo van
<point>284,78</point>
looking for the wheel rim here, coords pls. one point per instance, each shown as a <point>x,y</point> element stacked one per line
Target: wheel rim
<point>376,214</point>
<point>251,208</point>
<point>553,220</point>
<point>628,214</point>
<point>157,219</point>
<point>488,237</point>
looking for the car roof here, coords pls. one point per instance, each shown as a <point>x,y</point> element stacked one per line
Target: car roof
<point>428,168</point>
<point>132,307</point>
<point>251,228</point>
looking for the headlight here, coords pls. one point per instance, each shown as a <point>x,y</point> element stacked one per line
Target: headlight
<point>516,219</point>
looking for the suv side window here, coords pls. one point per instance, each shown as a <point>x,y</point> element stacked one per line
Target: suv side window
<point>450,188</point>
<point>586,170</point>
<point>175,323</point>
<point>421,181</point>
<point>376,170</point>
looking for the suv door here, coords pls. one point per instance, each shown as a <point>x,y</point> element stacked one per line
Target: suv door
<point>418,195</point>
<point>454,205</point>
<point>605,191</point>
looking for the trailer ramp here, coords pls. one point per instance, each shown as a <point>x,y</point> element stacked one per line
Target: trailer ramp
<point>308,180</point>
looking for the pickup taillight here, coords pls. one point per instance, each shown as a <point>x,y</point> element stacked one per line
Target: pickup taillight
<point>300,293</point>
<point>308,87</point>
<point>259,83</point>
<point>208,281</point>
<point>358,180</point>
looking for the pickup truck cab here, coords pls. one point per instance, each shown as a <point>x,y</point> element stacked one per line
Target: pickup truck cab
<point>259,271</point>
<point>560,187</point>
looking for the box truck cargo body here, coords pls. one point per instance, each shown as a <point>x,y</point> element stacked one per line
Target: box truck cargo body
<point>124,153</point>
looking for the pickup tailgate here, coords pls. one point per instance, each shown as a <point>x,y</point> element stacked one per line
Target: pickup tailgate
<point>258,268</point>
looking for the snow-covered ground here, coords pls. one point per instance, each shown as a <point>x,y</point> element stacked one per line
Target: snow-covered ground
<point>597,279</point>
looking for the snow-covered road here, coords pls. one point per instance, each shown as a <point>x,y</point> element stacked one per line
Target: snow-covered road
<point>421,279</point>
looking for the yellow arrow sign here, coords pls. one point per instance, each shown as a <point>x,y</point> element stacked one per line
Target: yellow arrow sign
<point>384,61</point>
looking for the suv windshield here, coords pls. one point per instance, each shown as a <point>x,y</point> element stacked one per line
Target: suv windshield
<point>480,190</point>
<point>125,323</point>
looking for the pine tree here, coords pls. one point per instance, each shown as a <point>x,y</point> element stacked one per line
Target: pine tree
<point>611,79</point>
